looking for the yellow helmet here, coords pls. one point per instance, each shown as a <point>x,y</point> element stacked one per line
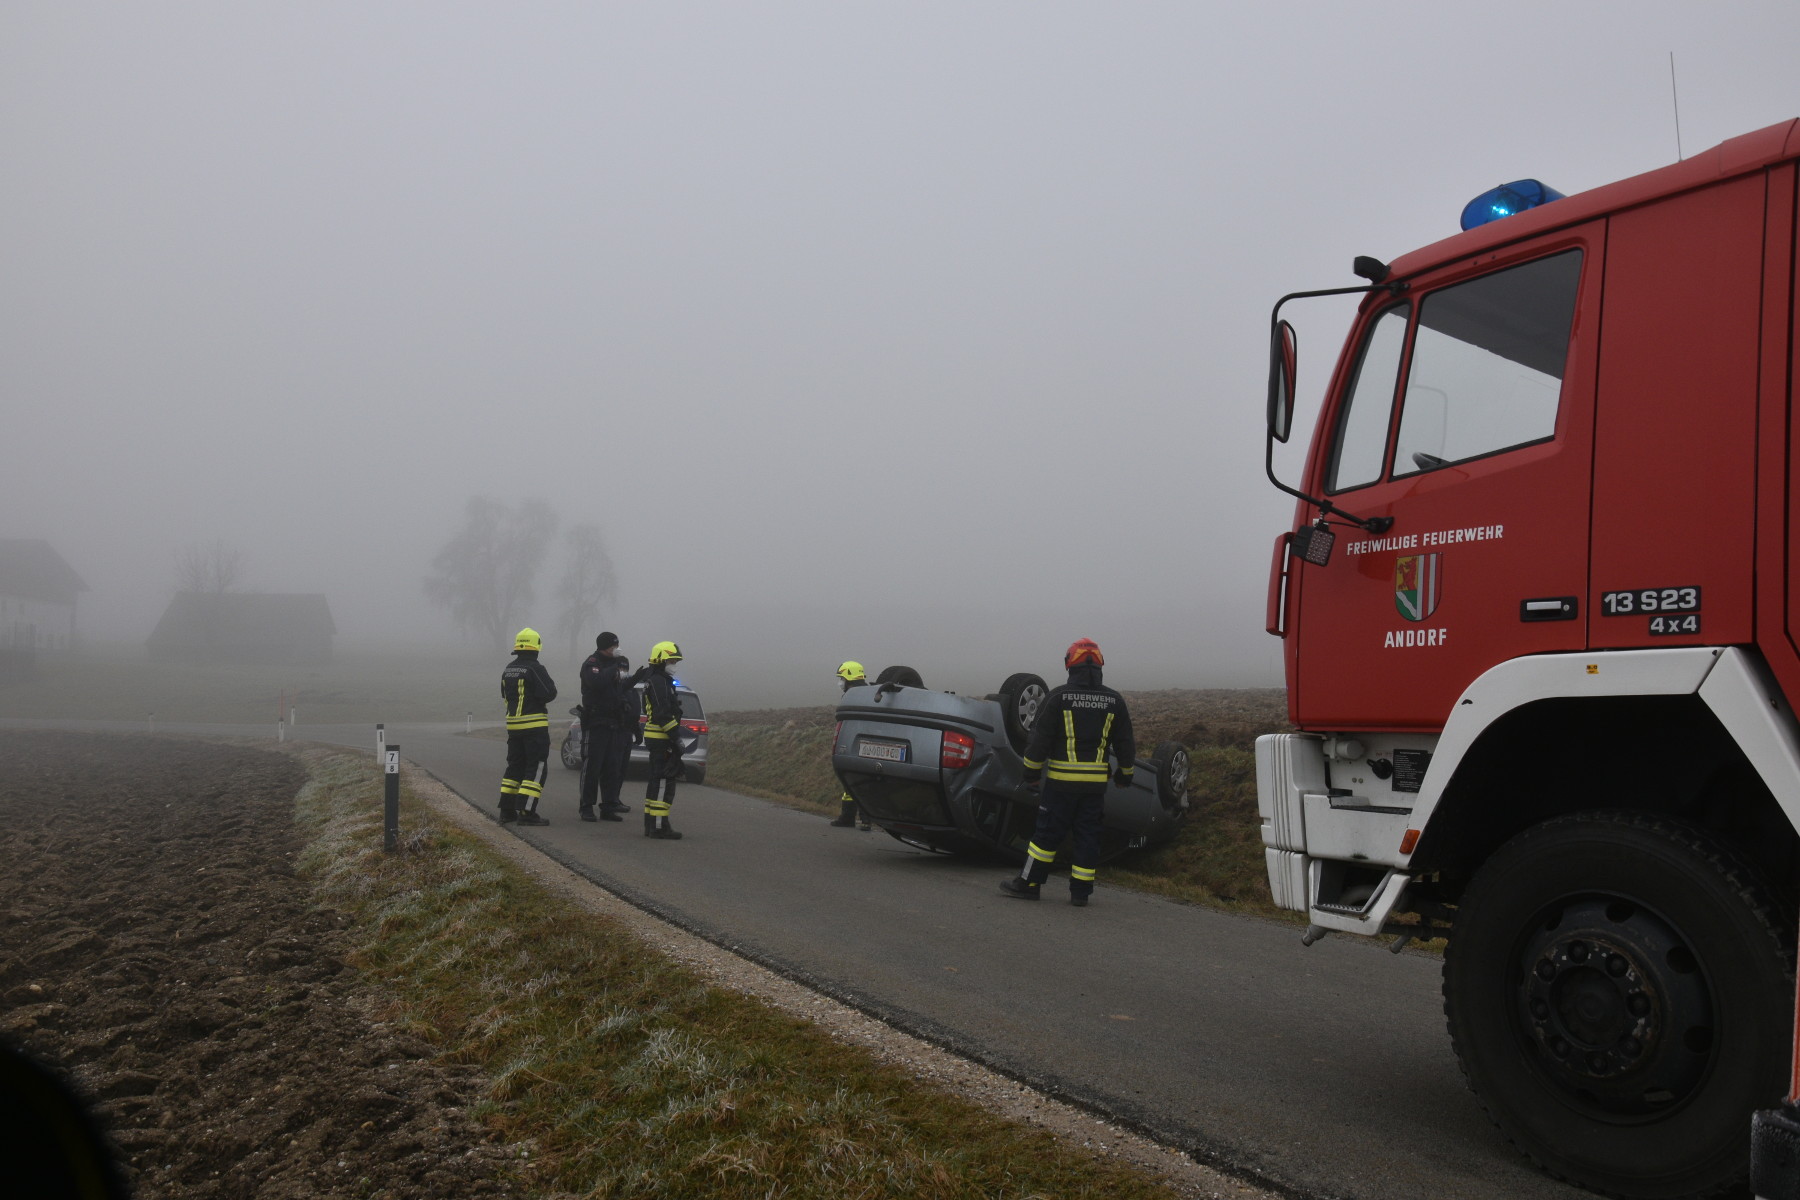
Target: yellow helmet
<point>850,671</point>
<point>528,639</point>
<point>665,652</point>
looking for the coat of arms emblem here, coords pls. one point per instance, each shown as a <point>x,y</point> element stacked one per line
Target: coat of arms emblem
<point>1418,582</point>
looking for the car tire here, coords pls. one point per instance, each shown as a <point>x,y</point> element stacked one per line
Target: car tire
<point>1173,768</point>
<point>696,774</point>
<point>904,676</point>
<point>1619,993</point>
<point>571,753</point>
<point>1020,698</point>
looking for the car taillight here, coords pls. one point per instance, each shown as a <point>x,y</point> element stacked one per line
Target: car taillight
<point>959,749</point>
<point>695,726</point>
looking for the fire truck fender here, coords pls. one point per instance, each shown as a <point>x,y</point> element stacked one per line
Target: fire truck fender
<point>1677,671</point>
<point>1743,694</point>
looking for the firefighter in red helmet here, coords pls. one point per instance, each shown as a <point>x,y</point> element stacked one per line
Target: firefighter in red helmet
<point>1079,726</point>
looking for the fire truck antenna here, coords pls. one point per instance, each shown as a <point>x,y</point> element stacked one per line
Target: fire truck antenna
<point>1675,98</point>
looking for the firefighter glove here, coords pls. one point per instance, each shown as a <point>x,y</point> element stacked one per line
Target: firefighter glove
<point>1122,779</point>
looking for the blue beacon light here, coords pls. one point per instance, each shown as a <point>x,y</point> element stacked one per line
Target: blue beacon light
<point>1505,200</point>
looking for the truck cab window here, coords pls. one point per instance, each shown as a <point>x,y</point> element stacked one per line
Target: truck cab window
<point>1487,364</point>
<point>1356,457</point>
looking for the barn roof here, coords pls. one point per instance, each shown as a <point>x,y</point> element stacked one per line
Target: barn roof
<point>242,619</point>
<point>31,569</point>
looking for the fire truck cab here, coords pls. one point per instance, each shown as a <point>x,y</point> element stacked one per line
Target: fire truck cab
<point>1541,611</point>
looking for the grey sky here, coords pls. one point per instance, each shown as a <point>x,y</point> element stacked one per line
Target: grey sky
<point>913,332</point>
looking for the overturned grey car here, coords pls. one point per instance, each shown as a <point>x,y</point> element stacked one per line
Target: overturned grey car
<point>945,772</point>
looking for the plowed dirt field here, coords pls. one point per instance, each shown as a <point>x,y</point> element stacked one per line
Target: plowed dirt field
<point>157,949</point>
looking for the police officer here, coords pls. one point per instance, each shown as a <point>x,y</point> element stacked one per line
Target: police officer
<point>852,675</point>
<point>527,689</point>
<point>1078,726</point>
<point>608,727</point>
<point>662,739</point>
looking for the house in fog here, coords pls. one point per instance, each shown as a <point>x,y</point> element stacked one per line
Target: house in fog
<point>244,627</point>
<point>37,600</point>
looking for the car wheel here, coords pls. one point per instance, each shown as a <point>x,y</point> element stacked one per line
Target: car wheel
<point>1620,996</point>
<point>904,676</point>
<point>571,750</point>
<point>1172,770</point>
<point>696,774</point>
<point>1020,698</point>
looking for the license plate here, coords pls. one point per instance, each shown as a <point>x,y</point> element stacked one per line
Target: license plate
<point>887,751</point>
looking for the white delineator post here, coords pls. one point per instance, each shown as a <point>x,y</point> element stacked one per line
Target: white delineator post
<point>380,742</point>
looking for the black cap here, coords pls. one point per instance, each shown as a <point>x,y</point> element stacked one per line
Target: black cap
<point>606,641</point>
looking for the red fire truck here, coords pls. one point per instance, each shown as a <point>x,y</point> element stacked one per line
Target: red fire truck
<point>1541,611</point>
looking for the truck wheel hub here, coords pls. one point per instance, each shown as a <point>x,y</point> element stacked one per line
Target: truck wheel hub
<point>1616,1006</point>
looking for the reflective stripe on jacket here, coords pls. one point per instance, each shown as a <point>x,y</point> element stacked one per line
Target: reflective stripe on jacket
<point>1078,726</point>
<point>527,689</point>
<point>662,707</point>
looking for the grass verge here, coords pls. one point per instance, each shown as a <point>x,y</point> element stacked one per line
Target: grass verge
<point>618,1072</point>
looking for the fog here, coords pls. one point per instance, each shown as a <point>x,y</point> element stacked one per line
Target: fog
<point>927,333</point>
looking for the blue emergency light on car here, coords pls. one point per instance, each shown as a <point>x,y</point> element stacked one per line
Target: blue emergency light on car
<point>1505,200</point>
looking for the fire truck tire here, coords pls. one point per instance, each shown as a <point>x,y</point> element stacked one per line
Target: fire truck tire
<point>571,749</point>
<point>1619,990</point>
<point>904,676</point>
<point>1020,698</point>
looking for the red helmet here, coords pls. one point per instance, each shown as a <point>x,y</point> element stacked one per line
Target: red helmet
<point>1084,653</point>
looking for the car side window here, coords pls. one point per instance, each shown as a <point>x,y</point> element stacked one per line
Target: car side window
<point>1362,434</point>
<point>1487,365</point>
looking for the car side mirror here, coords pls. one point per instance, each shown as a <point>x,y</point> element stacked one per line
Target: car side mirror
<point>1283,362</point>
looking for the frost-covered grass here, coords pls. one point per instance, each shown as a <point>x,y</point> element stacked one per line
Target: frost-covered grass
<point>622,1073</point>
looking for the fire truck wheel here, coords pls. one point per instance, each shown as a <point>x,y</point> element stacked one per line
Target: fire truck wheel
<point>1020,698</point>
<point>571,749</point>
<point>904,676</point>
<point>1620,991</point>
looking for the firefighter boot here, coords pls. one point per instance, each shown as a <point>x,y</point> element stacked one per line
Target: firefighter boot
<point>1020,889</point>
<point>509,811</point>
<point>665,831</point>
<point>846,814</point>
<point>649,825</point>
<point>1080,899</point>
<point>529,816</point>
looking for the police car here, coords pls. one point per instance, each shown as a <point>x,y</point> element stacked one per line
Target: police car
<point>945,772</point>
<point>694,729</point>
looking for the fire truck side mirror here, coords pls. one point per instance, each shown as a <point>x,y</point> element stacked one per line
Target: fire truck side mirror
<point>1283,360</point>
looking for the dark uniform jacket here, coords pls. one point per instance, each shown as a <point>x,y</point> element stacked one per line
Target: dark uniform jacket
<point>1078,725</point>
<point>528,691</point>
<point>606,691</point>
<point>662,707</point>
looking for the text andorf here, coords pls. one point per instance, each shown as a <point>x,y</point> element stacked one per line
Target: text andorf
<point>1401,638</point>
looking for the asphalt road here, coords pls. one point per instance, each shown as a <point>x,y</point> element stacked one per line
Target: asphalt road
<point>1324,1070</point>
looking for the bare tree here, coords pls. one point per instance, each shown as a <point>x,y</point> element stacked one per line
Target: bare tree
<point>486,574</point>
<point>588,581</point>
<point>211,570</point>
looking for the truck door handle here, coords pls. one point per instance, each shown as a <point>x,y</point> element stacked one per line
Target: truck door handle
<point>1550,608</point>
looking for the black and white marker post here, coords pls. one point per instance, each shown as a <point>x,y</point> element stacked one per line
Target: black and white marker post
<point>391,761</point>
<point>380,742</point>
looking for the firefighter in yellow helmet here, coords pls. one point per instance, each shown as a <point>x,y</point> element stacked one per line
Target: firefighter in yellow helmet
<point>852,675</point>
<point>1078,726</point>
<point>662,739</point>
<point>527,689</point>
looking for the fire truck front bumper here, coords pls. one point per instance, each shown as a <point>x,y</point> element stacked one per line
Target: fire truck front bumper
<point>1330,852</point>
